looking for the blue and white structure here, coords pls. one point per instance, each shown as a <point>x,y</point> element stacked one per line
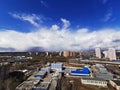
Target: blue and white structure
<point>84,72</point>
<point>40,74</point>
<point>57,66</point>
<point>46,69</point>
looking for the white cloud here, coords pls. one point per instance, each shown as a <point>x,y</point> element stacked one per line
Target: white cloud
<point>66,23</point>
<point>55,38</point>
<point>32,19</point>
<point>55,27</point>
<point>107,17</point>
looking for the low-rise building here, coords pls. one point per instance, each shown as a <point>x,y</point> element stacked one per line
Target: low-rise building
<point>57,66</point>
<point>84,72</point>
<point>28,84</point>
<point>94,81</point>
<point>102,72</point>
<point>106,75</point>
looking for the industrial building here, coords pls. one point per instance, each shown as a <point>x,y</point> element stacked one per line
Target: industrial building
<point>46,69</point>
<point>34,81</point>
<point>56,66</point>
<point>94,81</point>
<point>84,72</point>
<point>102,72</point>
<point>28,84</point>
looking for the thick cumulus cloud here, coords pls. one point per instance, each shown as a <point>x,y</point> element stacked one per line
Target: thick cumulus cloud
<point>58,38</point>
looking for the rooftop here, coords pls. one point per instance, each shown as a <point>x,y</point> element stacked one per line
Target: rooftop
<point>42,85</point>
<point>85,78</point>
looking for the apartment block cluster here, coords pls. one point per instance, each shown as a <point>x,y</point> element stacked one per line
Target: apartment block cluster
<point>68,53</point>
<point>110,53</point>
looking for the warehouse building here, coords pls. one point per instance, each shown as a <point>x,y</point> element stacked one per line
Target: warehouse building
<point>28,84</point>
<point>102,72</point>
<point>84,72</point>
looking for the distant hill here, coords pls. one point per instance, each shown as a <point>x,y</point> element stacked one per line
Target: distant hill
<point>7,49</point>
<point>31,49</point>
<point>36,49</point>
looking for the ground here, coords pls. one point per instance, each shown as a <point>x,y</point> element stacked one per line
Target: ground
<point>75,84</point>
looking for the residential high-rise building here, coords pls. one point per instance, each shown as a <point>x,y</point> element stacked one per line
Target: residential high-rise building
<point>98,52</point>
<point>112,53</point>
<point>66,53</point>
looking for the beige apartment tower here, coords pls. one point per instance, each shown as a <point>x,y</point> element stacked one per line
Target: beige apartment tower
<point>66,54</point>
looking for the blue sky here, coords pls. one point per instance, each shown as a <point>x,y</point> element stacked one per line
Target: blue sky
<point>93,14</point>
<point>70,18</point>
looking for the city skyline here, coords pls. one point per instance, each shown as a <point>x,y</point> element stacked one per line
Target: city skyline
<point>59,25</point>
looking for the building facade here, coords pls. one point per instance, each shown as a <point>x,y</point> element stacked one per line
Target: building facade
<point>112,53</point>
<point>66,53</point>
<point>93,81</point>
<point>98,52</point>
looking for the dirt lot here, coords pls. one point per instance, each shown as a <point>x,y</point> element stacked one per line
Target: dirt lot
<point>75,84</point>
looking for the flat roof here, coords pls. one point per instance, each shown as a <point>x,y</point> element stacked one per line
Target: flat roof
<point>85,78</point>
<point>42,85</point>
<point>26,84</point>
<point>40,73</point>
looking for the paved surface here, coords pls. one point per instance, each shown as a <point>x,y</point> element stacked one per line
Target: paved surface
<point>53,84</point>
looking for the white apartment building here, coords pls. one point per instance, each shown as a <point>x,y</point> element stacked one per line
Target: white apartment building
<point>112,54</point>
<point>98,52</point>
